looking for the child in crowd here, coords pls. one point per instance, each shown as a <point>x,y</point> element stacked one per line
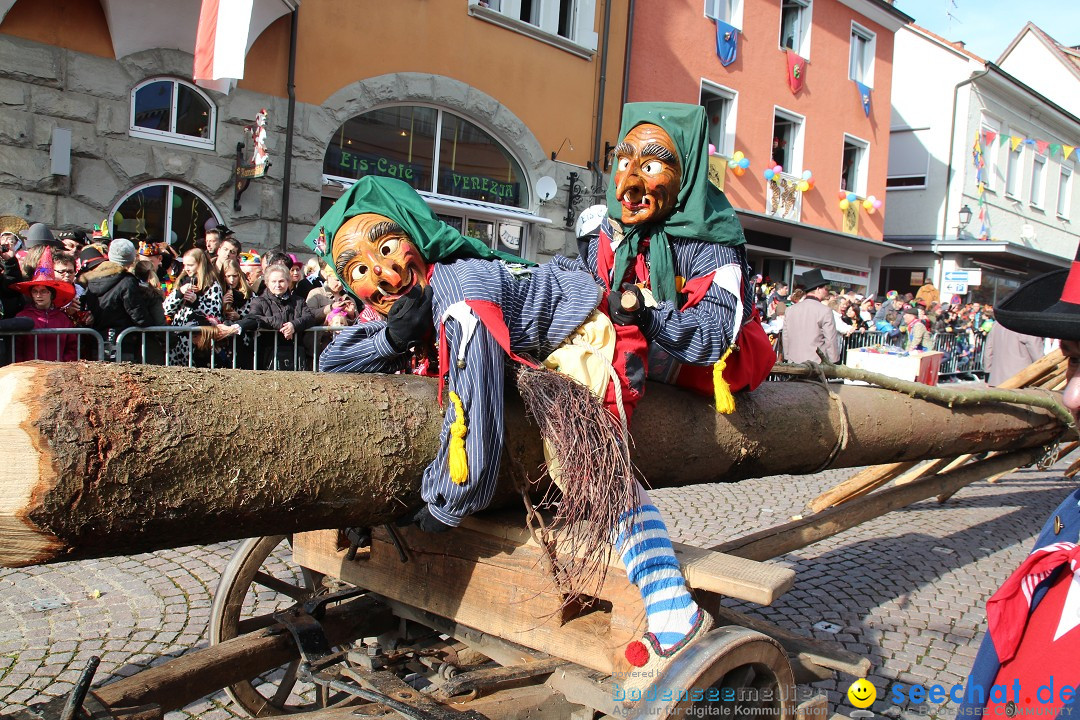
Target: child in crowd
<point>47,296</point>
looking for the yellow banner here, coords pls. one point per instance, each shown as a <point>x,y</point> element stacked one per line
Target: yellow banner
<point>1067,149</point>
<point>1014,142</point>
<point>717,171</point>
<point>851,219</point>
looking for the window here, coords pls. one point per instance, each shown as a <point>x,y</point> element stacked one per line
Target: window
<point>853,170</point>
<point>568,24</point>
<point>720,105</point>
<point>1064,191</point>
<point>163,211</point>
<point>787,141</point>
<point>990,149</point>
<point>1038,180</point>
<point>861,62</point>
<point>729,11</point>
<point>795,26</point>
<point>172,111</point>
<point>1012,170</point>
<point>909,160</point>
<point>430,149</point>
<point>441,154</point>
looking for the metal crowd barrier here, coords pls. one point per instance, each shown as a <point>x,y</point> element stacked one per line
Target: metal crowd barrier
<point>181,346</point>
<point>50,344</point>
<point>266,349</point>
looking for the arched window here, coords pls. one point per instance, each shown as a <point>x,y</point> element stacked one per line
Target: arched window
<point>174,111</point>
<point>431,149</point>
<point>163,211</point>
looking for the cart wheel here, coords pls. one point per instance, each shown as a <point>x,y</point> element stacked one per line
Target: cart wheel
<point>736,672</point>
<point>259,581</point>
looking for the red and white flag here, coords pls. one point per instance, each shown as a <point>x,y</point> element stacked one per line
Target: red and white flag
<point>221,43</point>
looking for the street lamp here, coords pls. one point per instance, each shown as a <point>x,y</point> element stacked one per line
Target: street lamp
<point>965,218</point>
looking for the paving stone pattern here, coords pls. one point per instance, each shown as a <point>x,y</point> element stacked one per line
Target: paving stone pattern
<point>908,590</point>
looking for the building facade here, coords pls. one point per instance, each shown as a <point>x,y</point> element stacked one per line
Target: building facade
<point>735,57</point>
<point>980,173</point>
<point>497,111</point>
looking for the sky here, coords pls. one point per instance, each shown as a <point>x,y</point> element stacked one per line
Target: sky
<point>988,26</point>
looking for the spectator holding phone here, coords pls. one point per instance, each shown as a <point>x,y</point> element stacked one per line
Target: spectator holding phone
<point>195,301</point>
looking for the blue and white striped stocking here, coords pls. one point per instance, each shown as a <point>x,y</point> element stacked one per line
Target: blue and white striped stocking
<point>650,561</point>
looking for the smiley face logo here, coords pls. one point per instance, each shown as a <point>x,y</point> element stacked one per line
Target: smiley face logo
<point>862,694</point>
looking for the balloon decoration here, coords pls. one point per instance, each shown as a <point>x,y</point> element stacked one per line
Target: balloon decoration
<point>807,182</point>
<point>870,203</point>
<point>739,163</point>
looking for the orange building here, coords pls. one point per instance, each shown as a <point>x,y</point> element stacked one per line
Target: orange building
<point>495,109</point>
<point>822,128</point>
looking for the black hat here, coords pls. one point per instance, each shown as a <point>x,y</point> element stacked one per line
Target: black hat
<point>90,257</point>
<point>811,279</point>
<point>1047,306</point>
<point>223,230</point>
<point>39,234</point>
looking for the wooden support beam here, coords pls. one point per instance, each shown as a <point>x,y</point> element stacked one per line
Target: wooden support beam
<point>791,536</point>
<point>175,683</point>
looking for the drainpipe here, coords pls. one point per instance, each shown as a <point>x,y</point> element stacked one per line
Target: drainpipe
<point>599,137</point>
<point>949,167</point>
<point>286,180</point>
<point>626,58</point>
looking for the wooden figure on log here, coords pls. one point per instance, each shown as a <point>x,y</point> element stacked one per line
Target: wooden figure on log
<point>679,243</point>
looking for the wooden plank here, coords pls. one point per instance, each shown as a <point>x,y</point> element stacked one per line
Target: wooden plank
<point>736,577</point>
<point>785,538</point>
<point>493,584</point>
<point>733,576</point>
<point>859,484</point>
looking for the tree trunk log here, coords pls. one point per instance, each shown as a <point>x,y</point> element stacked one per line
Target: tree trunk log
<point>108,459</point>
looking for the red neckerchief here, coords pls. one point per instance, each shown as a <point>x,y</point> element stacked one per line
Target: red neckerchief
<point>1008,609</point>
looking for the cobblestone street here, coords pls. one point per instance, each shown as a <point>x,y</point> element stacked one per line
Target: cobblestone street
<point>907,590</point>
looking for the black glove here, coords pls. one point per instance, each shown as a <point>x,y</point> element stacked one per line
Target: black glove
<point>620,315</point>
<point>409,319</point>
<point>424,520</point>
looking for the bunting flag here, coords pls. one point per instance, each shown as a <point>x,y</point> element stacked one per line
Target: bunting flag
<point>1055,148</point>
<point>864,97</point>
<point>1042,146</point>
<point>988,137</point>
<point>978,159</point>
<point>796,71</point>
<point>1014,142</point>
<point>727,42</point>
<point>1067,150</point>
<point>221,43</point>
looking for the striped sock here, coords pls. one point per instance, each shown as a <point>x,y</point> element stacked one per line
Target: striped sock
<point>651,564</point>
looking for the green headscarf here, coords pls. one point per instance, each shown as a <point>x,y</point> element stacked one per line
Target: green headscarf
<point>397,200</point>
<point>701,212</point>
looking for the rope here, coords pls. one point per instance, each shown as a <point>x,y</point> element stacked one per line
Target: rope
<point>842,436</point>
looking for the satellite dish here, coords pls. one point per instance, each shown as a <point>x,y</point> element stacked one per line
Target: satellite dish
<point>546,188</point>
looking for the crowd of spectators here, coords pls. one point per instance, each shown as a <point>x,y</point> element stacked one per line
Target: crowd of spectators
<point>910,321</point>
<point>243,309</point>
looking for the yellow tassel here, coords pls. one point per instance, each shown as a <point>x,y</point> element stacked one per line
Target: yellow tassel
<point>458,460</point>
<point>725,403</point>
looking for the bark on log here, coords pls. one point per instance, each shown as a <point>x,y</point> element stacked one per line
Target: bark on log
<point>108,459</point>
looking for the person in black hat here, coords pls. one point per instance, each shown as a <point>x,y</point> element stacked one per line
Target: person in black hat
<point>809,324</point>
<point>1049,306</point>
<point>1033,623</point>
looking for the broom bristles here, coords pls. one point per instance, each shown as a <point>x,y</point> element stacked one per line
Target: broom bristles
<point>595,477</point>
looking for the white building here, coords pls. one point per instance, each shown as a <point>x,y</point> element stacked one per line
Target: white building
<point>1007,218</point>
